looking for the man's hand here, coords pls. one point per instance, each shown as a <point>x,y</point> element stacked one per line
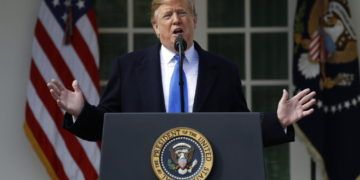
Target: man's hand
<point>70,101</point>
<point>291,110</point>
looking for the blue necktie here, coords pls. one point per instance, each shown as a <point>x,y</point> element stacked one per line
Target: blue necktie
<point>174,95</point>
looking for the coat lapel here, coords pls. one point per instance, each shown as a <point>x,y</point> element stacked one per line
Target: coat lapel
<point>149,80</point>
<point>207,74</point>
<point>148,74</point>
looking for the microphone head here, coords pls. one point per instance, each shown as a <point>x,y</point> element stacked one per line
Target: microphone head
<point>180,43</point>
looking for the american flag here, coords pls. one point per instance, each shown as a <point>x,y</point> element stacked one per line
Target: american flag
<point>65,47</point>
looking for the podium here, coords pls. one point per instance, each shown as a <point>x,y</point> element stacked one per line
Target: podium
<point>235,138</point>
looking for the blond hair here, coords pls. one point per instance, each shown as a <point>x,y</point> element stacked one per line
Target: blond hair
<point>155,4</point>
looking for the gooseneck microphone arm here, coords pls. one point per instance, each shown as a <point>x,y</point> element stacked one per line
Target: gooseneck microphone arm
<point>180,46</point>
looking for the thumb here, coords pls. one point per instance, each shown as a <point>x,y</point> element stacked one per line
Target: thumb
<point>76,86</point>
<point>284,97</point>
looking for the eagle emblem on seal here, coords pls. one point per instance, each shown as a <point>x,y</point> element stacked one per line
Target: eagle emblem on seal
<point>182,158</point>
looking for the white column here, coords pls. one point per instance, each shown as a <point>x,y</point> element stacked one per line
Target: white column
<point>17,158</point>
<point>201,28</point>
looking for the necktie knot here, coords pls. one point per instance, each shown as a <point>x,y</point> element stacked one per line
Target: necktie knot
<point>177,58</point>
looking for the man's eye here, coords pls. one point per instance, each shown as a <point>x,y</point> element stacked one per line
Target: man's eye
<point>182,13</point>
<point>167,16</point>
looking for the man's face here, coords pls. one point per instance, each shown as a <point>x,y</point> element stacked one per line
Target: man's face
<point>172,18</point>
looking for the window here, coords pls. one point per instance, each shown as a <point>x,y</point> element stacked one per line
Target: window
<point>124,26</point>
<point>257,32</point>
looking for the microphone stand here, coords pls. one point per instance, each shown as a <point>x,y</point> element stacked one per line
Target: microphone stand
<point>180,46</point>
<point>181,78</point>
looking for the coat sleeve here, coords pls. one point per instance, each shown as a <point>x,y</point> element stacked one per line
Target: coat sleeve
<point>272,131</point>
<point>89,123</point>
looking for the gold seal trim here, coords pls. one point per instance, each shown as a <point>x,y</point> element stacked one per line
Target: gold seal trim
<point>179,132</point>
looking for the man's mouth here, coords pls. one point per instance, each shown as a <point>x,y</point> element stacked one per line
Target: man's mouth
<point>178,31</point>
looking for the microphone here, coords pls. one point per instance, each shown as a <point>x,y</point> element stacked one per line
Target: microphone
<point>180,44</point>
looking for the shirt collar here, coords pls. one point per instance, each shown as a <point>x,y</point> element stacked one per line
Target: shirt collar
<point>167,56</point>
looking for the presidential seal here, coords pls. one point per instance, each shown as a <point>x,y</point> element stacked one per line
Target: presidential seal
<point>182,153</point>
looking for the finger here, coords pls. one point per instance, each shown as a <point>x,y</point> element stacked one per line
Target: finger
<point>61,105</point>
<point>308,112</point>
<point>309,104</point>
<point>301,94</point>
<point>76,86</point>
<point>58,85</point>
<point>54,94</point>
<point>307,97</point>
<point>284,97</point>
<point>52,87</point>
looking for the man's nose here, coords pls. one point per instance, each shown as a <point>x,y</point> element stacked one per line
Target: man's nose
<point>176,18</point>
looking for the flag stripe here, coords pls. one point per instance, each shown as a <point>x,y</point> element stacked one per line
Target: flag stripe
<point>85,56</point>
<point>43,63</point>
<point>92,18</point>
<point>39,151</point>
<point>53,55</point>
<point>89,35</point>
<point>49,127</point>
<point>46,147</point>
<point>70,57</point>
<point>71,142</point>
<point>92,151</point>
<point>46,70</point>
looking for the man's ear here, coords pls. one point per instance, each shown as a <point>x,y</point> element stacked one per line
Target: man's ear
<point>156,29</point>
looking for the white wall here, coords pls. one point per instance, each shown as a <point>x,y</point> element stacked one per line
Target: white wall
<point>17,158</point>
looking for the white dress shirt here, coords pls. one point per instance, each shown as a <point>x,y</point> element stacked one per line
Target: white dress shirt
<point>191,64</point>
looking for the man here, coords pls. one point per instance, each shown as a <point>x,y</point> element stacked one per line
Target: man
<point>140,82</point>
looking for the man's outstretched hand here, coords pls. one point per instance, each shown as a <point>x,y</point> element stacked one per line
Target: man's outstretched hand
<point>70,101</point>
<point>291,110</point>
